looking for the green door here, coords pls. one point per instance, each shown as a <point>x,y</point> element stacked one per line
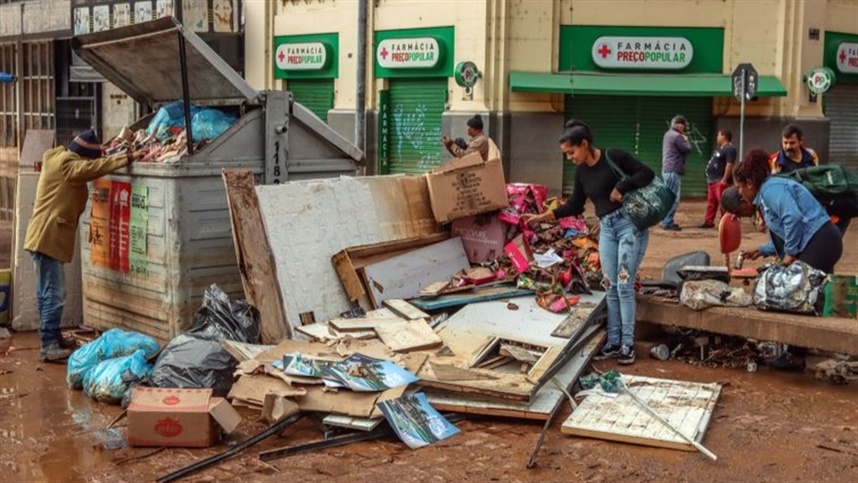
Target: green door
<point>317,95</point>
<point>638,124</point>
<point>414,142</point>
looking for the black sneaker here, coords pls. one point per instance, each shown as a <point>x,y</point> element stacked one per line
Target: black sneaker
<point>53,352</point>
<point>705,225</point>
<point>626,356</point>
<point>607,352</point>
<point>673,227</point>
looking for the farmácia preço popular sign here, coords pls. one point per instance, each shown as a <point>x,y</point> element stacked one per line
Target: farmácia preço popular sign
<point>421,52</point>
<point>642,52</point>
<point>301,56</point>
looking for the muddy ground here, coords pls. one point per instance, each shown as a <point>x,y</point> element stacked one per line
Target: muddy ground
<point>767,426</point>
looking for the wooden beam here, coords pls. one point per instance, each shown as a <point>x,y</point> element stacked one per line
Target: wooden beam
<point>825,333</point>
<point>253,254</point>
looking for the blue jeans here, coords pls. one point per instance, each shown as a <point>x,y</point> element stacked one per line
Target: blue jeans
<point>50,296</point>
<point>673,182</point>
<point>621,249</point>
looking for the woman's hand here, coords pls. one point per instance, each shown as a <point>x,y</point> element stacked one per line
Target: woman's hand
<point>752,254</point>
<point>787,261</point>
<point>616,196</point>
<point>532,219</point>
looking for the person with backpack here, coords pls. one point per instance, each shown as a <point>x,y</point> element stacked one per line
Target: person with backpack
<point>799,227</point>
<point>621,244</point>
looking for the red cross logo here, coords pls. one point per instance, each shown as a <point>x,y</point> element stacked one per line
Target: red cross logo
<point>604,51</point>
<point>281,56</point>
<point>384,53</point>
<point>842,56</point>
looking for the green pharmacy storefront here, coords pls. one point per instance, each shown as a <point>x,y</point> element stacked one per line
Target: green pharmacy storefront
<point>840,103</point>
<point>309,64</point>
<point>628,82</point>
<point>417,65</point>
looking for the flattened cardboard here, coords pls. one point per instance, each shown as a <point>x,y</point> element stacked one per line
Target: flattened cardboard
<point>177,417</point>
<point>466,186</point>
<point>252,388</point>
<point>483,236</point>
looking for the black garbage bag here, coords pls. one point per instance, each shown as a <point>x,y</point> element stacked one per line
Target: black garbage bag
<point>196,359</point>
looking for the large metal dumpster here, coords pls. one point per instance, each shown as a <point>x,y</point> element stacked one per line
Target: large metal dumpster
<point>188,240</point>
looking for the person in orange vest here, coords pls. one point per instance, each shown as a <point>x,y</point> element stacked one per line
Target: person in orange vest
<point>793,153</point>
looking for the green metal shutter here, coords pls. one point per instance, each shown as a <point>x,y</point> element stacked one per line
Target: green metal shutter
<point>638,124</point>
<point>654,115</point>
<point>416,106</point>
<point>612,120</point>
<point>317,95</point>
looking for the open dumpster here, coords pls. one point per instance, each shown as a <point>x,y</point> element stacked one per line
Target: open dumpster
<point>157,235</point>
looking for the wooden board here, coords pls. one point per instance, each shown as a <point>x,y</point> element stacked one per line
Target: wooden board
<point>687,406</point>
<point>326,332</point>
<point>542,404</point>
<point>403,276</point>
<point>825,333</point>
<point>407,335</point>
<point>361,424</point>
<point>406,310</point>
<point>253,254</point>
<point>573,321</point>
<point>473,296</point>
<point>362,324</point>
<point>349,261</point>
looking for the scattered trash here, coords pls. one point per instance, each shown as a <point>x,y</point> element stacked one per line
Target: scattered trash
<point>415,421</point>
<point>108,381</point>
<point>111,344</point>
<point>797,288</point>
<point>836,372</point>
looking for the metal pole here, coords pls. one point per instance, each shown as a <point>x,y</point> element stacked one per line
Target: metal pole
<point>360,107</point>
<point>742,115</point>
<point>186,97</point>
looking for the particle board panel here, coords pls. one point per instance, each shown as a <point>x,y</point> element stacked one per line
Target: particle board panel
<point>308,222</point>
<point>687,406</point>
<point>403,308</point>
<point>326,332</point>
<point>362,323</point>
<point>473,296</point>
<point>542,404</point>
<point>404,275</point>
<point>407,335</point>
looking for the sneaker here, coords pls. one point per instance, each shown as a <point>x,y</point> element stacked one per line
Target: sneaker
<point>626,356</point>
<point>53,352</point>
<point>673,227</point>
<point>607,352</point>
<point>68,343</point>
<point>705,225</point>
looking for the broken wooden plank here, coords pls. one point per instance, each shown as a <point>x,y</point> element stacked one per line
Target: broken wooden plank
<point>543,403</point>
<point>404,275</point>
<point>577,316</point>
<point>362,324</point>
<point>446,372</point>
<point>518,353</point>
<point>254,256</point>
<point>687,406</point>
<point>406,310</point>
<point>408,335</point>
<point>326,332</point>
<point>361,424</point>
<point>470,297</point>
<point>825,333</point>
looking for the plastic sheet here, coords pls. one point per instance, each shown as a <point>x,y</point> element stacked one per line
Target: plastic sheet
<point>108,381</point>
<point>111,344</point>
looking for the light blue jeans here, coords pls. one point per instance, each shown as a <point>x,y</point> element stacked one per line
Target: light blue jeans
<point>50,296</point>
<point>673,182</point>
<point>621,249</point>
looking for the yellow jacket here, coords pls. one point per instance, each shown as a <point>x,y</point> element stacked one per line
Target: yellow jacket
<point>61,198</point>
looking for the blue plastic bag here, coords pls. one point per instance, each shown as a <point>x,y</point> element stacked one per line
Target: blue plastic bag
<point>206,122</point>
<point>210,123</point>
<point>108,380</point>
<point>113,343</point>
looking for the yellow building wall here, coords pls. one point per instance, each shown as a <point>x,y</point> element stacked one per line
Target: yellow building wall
<point>842,16</point>
<point>257,43</point>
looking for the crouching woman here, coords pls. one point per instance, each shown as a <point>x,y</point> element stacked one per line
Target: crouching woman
<point>799,227</point>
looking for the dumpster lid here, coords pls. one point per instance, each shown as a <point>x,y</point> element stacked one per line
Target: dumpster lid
<point>143,60</point>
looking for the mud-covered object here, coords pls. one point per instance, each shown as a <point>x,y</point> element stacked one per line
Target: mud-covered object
<point>109,380</point>
<point>702,294</point>
<point>798,288</point>
<point>190,361</point>
<point>196,359</point>
<point>113,343</point>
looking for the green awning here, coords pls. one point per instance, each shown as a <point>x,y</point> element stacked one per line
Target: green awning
<point>591,83</point>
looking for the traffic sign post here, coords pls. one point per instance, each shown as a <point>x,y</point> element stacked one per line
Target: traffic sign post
<point>745,82</point>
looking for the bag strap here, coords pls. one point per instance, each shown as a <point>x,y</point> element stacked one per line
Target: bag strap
<point>619,172</point>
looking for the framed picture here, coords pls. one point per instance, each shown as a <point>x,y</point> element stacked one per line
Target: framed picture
<point>121,15</point>
<point>100,18</point>
<point>222,15</point>
<point>81,20</point>
<point>142,11</point>
<point>163,8</point>
<point>196,13</point>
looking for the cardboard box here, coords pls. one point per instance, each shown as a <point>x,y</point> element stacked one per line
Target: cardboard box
<point>483,236</point>
<point>178,417</point>
<point>466,186</point>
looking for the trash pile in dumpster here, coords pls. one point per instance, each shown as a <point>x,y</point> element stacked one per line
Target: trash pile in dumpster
<point>165,139</point>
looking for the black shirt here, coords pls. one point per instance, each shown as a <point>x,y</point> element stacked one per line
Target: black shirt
<point>722,156</point>
<point>596,183</point>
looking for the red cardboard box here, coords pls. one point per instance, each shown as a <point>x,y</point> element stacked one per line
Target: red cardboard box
<point>178,417</point>
<point>483,236</point>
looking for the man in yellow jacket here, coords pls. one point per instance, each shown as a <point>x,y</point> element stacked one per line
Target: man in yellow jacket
<point>51,235</point>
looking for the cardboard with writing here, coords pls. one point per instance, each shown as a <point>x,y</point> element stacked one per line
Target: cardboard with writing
<point>466,186</point>
<point>178,417</point>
